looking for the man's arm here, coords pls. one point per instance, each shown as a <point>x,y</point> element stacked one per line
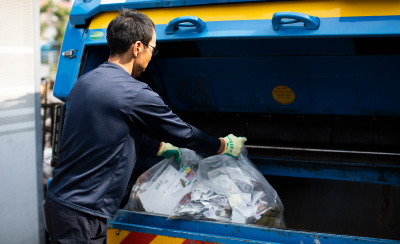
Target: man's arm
<point>149,146</point>
<point>150,111</point>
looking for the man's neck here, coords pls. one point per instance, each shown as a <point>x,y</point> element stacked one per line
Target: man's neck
<point>122,60</point>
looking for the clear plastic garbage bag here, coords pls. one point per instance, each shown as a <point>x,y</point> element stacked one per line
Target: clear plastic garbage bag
<point>231,190</point>
<point>159,189</point>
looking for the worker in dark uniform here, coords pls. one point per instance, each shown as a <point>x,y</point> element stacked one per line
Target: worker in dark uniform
<point>108,120</point>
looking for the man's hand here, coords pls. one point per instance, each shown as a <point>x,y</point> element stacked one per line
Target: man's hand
<point>167,150</point>
<point>233,145</point>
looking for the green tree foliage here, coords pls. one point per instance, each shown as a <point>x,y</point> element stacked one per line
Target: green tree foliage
<point>61,14</point>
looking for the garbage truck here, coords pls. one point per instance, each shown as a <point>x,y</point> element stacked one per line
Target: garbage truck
<point>314,85</point>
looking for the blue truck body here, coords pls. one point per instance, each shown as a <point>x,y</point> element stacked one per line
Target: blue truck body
<point>313,85</point>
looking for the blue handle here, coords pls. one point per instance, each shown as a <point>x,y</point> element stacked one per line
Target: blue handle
<point>185,21</point>
<point>310,22</point>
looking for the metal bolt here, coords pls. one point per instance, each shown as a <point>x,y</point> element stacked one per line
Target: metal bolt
<point>117,233</point>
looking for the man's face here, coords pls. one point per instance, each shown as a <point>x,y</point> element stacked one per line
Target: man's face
<point>144,56</point>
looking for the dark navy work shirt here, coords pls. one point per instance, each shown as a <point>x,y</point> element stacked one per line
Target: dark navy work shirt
<point>108,119</point>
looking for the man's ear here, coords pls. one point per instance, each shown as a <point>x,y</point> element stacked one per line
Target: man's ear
<point>136,48</point>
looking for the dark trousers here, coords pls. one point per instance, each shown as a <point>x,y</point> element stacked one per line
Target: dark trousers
<point>66,225</point>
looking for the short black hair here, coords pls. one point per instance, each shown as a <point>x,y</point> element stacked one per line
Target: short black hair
<point>128,27</point>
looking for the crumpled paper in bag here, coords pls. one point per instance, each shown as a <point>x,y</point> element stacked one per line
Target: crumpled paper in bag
<point>159,189</point>
<point>231,190</point>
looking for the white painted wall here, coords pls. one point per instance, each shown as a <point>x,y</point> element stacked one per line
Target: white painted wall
<point>21,189</point>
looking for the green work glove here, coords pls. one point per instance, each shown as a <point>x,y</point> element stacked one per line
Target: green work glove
<point>167,150</point>
<point>233,145</point>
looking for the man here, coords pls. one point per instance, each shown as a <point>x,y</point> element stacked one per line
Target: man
<point>108,119</point>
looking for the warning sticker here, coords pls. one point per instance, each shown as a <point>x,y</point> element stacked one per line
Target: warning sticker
<point>283,95</point>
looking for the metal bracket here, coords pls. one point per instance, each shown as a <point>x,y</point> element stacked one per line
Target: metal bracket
<point>69,54</point>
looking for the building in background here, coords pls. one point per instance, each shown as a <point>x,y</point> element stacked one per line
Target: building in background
<point>54,15</point>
